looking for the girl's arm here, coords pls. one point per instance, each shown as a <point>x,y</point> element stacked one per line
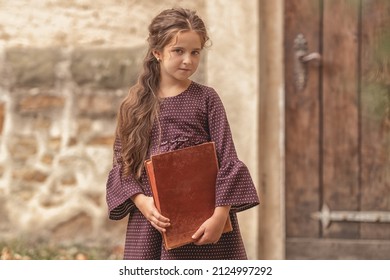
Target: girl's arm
<point>211,230</point>
<point>145,204</point>
<point>234,185</point>
<point>119,189</point>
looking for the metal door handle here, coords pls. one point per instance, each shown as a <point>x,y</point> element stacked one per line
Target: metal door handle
<point>301,58</point>
<point>311,56</point>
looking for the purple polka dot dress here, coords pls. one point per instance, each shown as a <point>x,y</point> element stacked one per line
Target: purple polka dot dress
<point>194,116</point>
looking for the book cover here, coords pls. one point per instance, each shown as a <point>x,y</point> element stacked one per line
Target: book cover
<point>183,186</point>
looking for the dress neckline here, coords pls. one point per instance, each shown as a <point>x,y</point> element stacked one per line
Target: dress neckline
<point>178,95</point>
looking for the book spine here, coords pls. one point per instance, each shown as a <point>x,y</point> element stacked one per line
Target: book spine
<point>152,181</point>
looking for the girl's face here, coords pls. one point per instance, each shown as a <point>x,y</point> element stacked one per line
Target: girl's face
<point>180,57</point>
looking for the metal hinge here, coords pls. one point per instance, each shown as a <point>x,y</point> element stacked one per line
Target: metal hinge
<point>326,216</point>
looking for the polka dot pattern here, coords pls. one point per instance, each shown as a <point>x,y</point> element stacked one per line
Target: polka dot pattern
<point>194,116</point>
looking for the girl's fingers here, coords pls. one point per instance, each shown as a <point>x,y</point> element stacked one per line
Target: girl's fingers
<point>160,229</point>
<point>159,221</point>
<point>160,217</point>
<point>161,224</point>
<point>198,233</point>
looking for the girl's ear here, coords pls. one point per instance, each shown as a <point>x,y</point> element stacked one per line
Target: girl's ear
<point>157,54</point>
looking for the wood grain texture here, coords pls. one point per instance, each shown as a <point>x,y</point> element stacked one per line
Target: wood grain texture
<point>338,128</point>
<point>302,123</point>
<point>337,249</point>
<point>375,114</point>
<point>340,112</point>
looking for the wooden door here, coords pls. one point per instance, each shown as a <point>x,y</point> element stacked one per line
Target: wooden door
<point>338,130</point>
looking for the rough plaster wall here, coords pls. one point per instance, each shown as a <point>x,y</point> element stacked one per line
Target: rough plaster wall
<point>56,141</point>
<point>81,22</point>
<point>233,71</point>
<point>56,158</point>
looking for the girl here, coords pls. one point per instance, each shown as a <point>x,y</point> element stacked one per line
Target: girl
<point>166,111</point>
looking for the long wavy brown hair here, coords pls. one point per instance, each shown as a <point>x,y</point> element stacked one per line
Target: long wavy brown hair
<point>139,109</point>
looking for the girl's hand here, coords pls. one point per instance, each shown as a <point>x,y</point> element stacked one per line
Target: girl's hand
<point>145,204</point>
<point>211,230</point>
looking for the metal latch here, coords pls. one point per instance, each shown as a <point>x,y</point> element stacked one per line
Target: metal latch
<point>326,216</point>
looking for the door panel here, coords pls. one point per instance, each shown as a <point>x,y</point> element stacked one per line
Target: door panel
<point>340,112</point>
<point>375,114</point>
<point>335,249</point>
<point>338,129</point>
<point>302,127</point>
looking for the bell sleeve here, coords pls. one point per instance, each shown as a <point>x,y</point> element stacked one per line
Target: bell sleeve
<point>234,184</point>
<point>119,189</point>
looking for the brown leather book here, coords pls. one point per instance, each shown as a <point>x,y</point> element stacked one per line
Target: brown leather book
<point>183,187</point>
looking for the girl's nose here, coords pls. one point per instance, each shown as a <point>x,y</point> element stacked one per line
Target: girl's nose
<point>187,59</point>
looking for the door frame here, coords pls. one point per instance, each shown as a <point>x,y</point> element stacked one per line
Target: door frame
<point>272,240</point>
<point>272,211</point>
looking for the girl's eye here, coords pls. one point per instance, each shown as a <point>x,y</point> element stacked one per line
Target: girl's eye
<point>178,51</point>
<point>196,52</point>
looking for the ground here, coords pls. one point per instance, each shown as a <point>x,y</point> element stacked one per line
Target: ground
<point>40,250</point>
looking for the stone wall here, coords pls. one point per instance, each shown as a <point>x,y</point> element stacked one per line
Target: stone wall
<point>233,70</point>
<point>64,67</point>
<point>58,109</point>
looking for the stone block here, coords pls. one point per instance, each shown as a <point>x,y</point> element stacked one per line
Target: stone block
<point>107,68</point>
<point>47,159</point>
<point>2,116</point>
<point>69,180</point>
<point>32,67</point>
<point>28,174</point>
<point>4,218</point>
<point>41,123</point>
<point>79,225</point>
<point>98,105</point>
<point>22,191</point>
<point>54,144</point>
<point>102,140</point>
<point>21,147</point>
<point>40,103</point>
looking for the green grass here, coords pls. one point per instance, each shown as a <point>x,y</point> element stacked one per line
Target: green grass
<point>41,250</point>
